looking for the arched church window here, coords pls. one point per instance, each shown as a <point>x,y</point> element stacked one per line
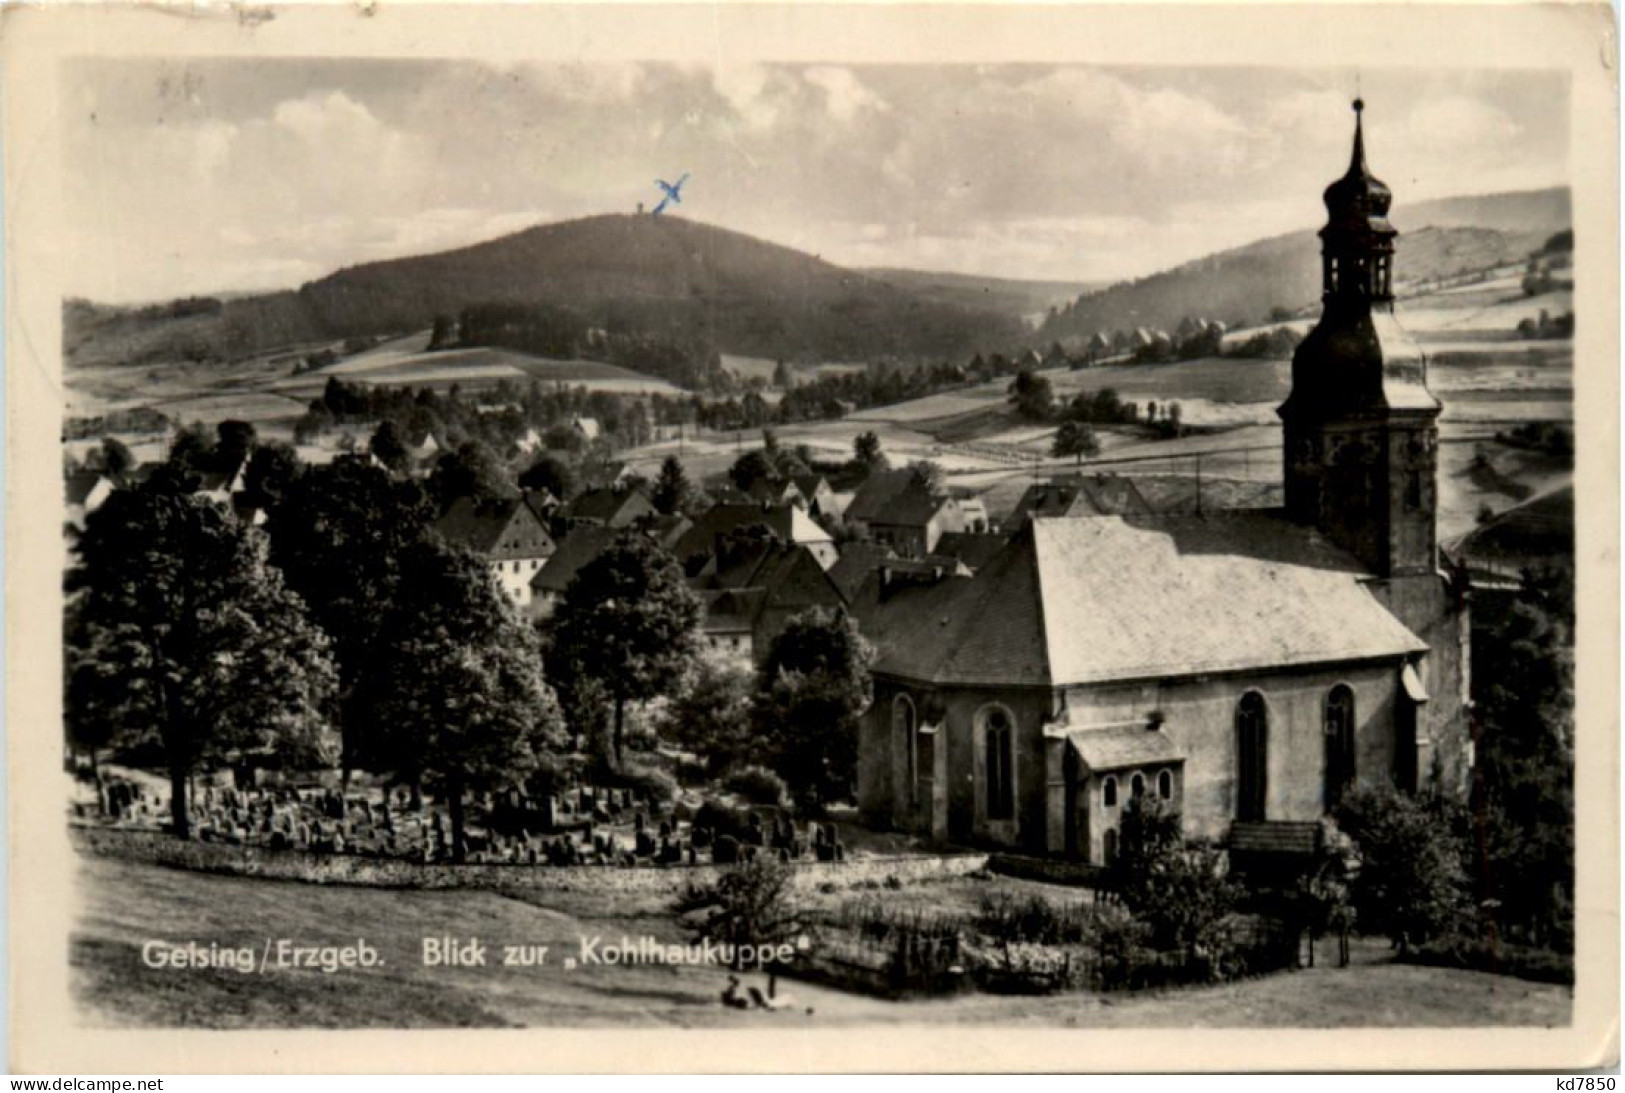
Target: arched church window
<point>903,723</point>
<point>1108,792</point>
<point>1340,751</point>
<point>998,736</point>
<point>1136,786</point>
<point>1165,785</point>
<point>1252,756</point>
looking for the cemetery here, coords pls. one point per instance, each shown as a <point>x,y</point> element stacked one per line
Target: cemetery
<point>604,837</point>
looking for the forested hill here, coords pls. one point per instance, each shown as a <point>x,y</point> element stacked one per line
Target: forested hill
<point>1241,287</point>
<point>691,282</point>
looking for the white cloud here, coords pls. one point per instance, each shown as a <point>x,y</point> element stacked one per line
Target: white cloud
<point>1458,122</point>
<point>845,95</point>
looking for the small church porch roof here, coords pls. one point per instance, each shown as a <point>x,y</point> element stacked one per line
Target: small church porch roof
<point>1116,747</point>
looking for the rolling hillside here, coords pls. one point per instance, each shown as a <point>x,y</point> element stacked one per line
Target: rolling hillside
<point>692,282</point>
<point>1439,239</point>
<point>1018,299</point>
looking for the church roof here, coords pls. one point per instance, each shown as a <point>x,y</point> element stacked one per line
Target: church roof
<point>1118,598</point>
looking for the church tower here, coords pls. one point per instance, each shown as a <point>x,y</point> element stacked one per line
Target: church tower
<point>1360,426</point>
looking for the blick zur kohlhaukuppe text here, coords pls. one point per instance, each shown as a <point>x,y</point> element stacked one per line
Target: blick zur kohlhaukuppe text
<point>276,954</point>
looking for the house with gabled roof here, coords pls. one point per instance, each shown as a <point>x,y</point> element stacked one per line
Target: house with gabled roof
<point>1082,495</point>
<point>787,523</point>
<point>508,534</point>
<point>752,586</point>
<point>610,507</point>
<point>901,509</point>
<point>579,546</point>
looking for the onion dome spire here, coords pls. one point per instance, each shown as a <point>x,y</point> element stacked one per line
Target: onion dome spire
<point>1359,199</point>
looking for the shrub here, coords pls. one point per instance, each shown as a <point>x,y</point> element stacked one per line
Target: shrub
<point>1483,955</point>
<point>1003,917</point>
<point>1123,952</point>
<point>720,820</point>
<point>1410,882</point>
<point>750,904</point>
<point>759,786</point>
<point>1179,891</point>
<point>649,783</point>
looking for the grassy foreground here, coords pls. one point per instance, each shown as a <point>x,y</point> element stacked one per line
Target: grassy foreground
<point>125,905</point>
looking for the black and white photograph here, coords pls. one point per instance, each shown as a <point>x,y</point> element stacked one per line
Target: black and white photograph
<point>791,544</point>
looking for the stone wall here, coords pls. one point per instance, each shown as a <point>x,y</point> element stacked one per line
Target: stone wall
<point>156,848</point>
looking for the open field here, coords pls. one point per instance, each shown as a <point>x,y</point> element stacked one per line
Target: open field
<point>124,905</point>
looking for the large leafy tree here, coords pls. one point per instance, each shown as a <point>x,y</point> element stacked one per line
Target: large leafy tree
<point>184,636</point>
<point>1031,395</point>
<point>810,692</point>
<point>456,683</point>
<point>474,470</point>
<point>1411,883</point>
<point>271,470</point>
<point>710,715</point>
<point>1075,438</point>
<point>389,447</point>
<point>549,473</point>
<point>866,451</point>
<point>752,467</point>
<point>629,621</point>
<point>339,533</point>
<point>1523,666</point>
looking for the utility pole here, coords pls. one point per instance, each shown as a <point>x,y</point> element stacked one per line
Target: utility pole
<point>1198,485</point>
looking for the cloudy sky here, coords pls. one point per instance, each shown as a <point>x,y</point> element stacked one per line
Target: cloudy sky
<point>229,175</point>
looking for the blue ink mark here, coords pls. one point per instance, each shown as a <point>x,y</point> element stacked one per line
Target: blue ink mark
<point>674,193</point>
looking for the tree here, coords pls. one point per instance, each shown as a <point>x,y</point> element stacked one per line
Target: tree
<point>866,450</point>
<point>235,442</point>
<point>1031,395</point>
<point>1074,438</point>
<point>192,452</point>
<point>271,470</point>
<point>672,490</point>
<point>457,684</point>
<point>930,475</point>
<point>193,641</point>
<point>388,447</point>
<point>117,459</point>
<point>1523,795</point>
<point>1410,883</point>
<point>810,692</point>
<point>549,472</point>
<point>1179,891</point>
<point>629,621</point>
<point>784,377</point>
<point>710,716</point>
<point>752,467</point>
<point>339,535</point>
<point>474,470</point>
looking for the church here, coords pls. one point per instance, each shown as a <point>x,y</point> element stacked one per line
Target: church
<point>1248,668</point>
